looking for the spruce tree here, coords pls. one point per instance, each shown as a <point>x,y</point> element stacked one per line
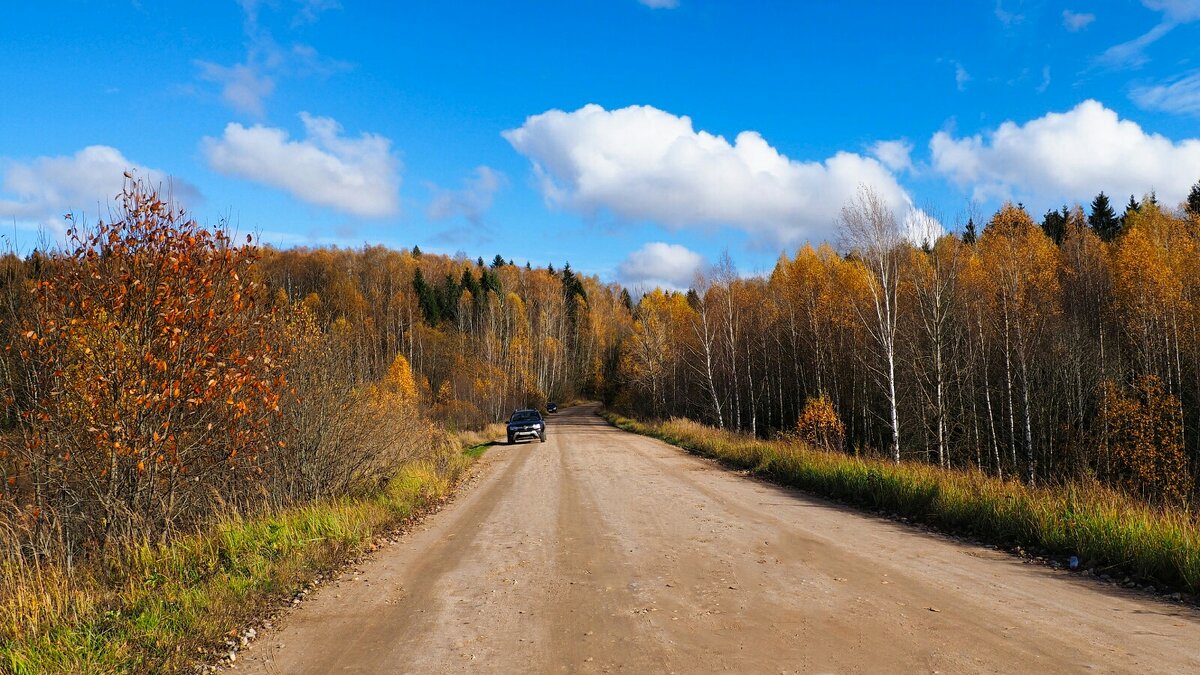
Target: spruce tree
<point>489,281</point>
<point>626,299</point>
<point>469,284</point>
<point>416,251</point>
<point>1131,208</point>
<point>1104,220</point>
<point>498,261</point>
<point>427,298</point>
<point>1192,205</point>
<point>448,298</point>
<point>969,235</point>
<point>1054,224</point>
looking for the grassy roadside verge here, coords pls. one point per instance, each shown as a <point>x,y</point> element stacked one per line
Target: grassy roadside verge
<point>159,608</point>
<point>475,443</point>
<point>1109,532</point>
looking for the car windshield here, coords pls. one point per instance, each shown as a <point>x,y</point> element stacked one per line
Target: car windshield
<point>525,416</point>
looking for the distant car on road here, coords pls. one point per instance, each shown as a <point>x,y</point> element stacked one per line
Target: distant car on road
<point>552,407</point>
<point>526,424</point>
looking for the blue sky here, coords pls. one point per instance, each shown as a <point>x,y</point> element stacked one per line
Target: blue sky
<point>635,141</point>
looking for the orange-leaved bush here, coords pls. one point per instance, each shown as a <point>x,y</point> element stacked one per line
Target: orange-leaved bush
<point>140,376</point>
<point>1142,430</point>
<point>819,425</point>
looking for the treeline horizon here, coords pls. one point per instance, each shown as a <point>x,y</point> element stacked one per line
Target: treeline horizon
<point>154,370</point>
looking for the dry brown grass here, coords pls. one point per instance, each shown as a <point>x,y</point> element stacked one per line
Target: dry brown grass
<point>1103,527</point>
<point>153,608</point>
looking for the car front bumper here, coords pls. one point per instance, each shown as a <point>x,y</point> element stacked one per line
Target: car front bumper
<point>526,432</point>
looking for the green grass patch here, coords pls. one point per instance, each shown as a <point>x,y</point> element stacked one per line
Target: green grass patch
<point>1106,529</point>
<point>155,608</point>
<point>476,451</point>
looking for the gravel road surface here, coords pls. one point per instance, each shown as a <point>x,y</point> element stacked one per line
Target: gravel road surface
<point>603,551</point>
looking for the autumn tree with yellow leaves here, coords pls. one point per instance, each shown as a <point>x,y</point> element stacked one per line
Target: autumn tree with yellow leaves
<point>989,351</point>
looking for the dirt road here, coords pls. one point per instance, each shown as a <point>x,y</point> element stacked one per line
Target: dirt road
<point>600,551</point>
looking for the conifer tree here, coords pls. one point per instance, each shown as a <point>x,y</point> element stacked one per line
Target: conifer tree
<point>448,298</point>
<point>468,283</point>
<point>1054,224</point>
<point>427,298</point>
<point>1192,205</point>
<point>1130,209</point>
<point>1104,220</point>
<point>969,233</point>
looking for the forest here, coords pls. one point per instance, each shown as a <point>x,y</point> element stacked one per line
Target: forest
<point>154,370</point>
<point>1041,351</point>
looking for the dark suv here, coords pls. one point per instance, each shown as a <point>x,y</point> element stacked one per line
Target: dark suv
<point>526,423</point>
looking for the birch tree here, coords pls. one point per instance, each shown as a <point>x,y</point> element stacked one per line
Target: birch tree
<point>871,234</point>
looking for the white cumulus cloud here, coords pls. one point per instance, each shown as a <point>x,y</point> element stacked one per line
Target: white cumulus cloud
<point>40,191</point>
<point>1069,156</point>
<point>661,264</point>
<point>641,163</point>
<point>359,176</point>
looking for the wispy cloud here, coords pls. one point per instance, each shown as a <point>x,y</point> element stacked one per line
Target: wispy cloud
<point>1076,21</point>
<point>309,10</point>
<point>961,76</point>
<point>660,4</point>
<point>472,201</point>
<point>1006,17</point>
<point>1132,54</point>
<point>1045,80</point>
<point>1180,97</point>
<point>246,86</point>
<point>243,87</point>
